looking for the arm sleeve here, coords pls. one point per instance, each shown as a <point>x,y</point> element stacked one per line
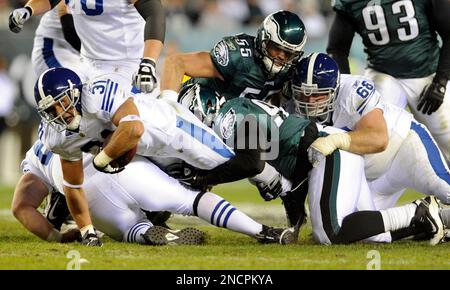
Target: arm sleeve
<point>247,161</point>
<point>155,18</point>
<point>441,19</point>
<point>340,40</point>
<point>70,34</point>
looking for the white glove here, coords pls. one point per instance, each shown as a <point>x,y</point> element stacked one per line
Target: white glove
<point>315,156</point>
<point>18,17</point>
<point>324,146</point>
<point>145,78</point>
<point>169,95</point>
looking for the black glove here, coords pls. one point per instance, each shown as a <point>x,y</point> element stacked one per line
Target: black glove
<point>108,168</point>
<point>186,174</point>
<point>18,17</point>
<point>271,190</point>
<point>145,78</point>
<point>90,239</point>
<point>432,96</point>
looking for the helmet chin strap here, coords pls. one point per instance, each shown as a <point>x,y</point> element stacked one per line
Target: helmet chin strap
<point>271,67</point>
<point>75,123</point>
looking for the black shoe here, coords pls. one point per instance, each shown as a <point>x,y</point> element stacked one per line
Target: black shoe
<point>427,219</point>
<point>159,236</point>
<point>271,235</point>
<point>56,210</point>
<point>158,218</point>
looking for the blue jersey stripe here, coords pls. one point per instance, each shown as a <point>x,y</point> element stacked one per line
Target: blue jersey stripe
<point>205,137</point>
<point>49,55</point>
<point>116,85</point>
<point>104,95</point>
<point>362,106</point>
<point>433,152</point>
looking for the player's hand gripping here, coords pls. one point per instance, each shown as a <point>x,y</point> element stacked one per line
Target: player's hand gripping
<point>145,78</point>
<point>432,96</point>
<point>18,17</point>
<point>102,161</point>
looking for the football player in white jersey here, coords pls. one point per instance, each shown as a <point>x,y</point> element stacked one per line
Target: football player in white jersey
<point>117,36</point>
<point>77,118</point>
<point>117,203</point>
<point>51,48</point>
<point>399,151</point>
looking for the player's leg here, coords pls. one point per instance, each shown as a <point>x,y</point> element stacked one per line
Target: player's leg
<point>168,194</point>
<point>341,214</point>
<point>335,186</point>
<point>438,122</point>
<point>420,165</point>
<point>49,52</point>
<point>389,88</point>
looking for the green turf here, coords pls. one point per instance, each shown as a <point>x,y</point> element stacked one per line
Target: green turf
<point>224,249</point>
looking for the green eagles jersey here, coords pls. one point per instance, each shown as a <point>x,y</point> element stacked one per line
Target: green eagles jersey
<point>397,35</point>
<point>279,133</point>
<point>244,76</point>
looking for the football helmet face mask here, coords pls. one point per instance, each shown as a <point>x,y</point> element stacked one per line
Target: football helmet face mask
<point>280,41</point>
<point>203,102</point>
<point>314,86</point>
<point>57,93</point>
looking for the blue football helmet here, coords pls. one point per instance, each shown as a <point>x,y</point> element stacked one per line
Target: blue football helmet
<point>315,85</point>
<point>202,101</point>
<point>285,31</point>
<point>59,86</point>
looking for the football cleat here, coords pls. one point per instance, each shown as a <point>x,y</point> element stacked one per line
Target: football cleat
<point>270,235</point>
<point>427,217</point>
<point>56,210</point>
<point>159,236</point>
<point>158,218</point>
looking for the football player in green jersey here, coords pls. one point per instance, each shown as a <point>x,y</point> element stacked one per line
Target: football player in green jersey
<point>242,65</point>
<point>404,58</point>
<point>340,202</point>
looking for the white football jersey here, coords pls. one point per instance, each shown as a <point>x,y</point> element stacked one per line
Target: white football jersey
<point>109,30</point>
<point>357,97</point>
<point>171,130</point>
<point>100,100</point>
<point>50,26</point>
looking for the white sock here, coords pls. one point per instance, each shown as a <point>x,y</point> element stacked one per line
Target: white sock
<point>219,212</point>
<point>398,217</point>
<point>133,235</point>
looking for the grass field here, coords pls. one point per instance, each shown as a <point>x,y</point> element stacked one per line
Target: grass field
<point>224,249</point>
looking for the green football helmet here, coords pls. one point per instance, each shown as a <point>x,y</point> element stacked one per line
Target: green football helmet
<point>202,101</point>
<point>282,30</point>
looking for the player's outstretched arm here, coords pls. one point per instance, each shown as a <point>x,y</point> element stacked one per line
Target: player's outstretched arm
<point>433,94</point>
<point>19,16</point>
<point>73,177</point>
<point>370,136</point>
<point>340,40</point>
<point>154,34</point>
<point>68,26</point>
<point>196,64</point>
<point>29,193</point>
